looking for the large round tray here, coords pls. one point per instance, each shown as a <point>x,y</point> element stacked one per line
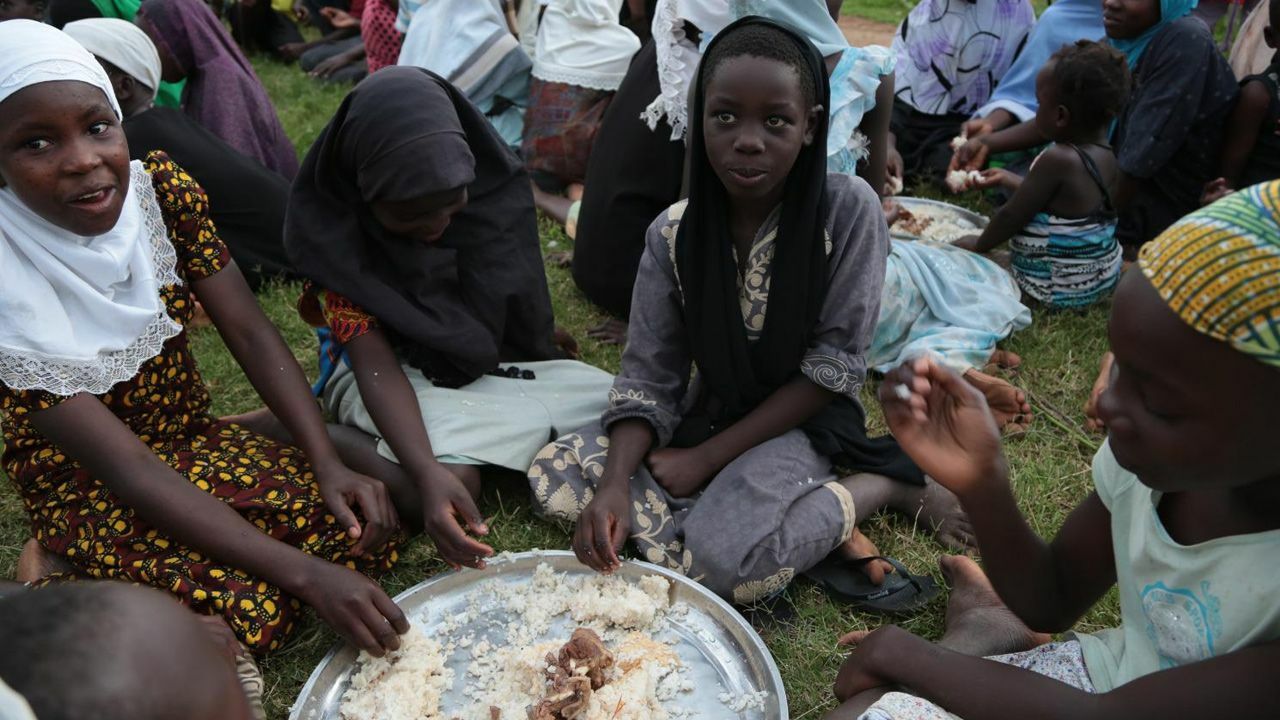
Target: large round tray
<point>721,651</point>
<point>979,222</point>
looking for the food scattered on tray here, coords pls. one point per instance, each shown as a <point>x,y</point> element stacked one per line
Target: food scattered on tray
<point>936,224</point>
<point>558,646</point>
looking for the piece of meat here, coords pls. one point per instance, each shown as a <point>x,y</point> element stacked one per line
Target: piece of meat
<point>573,674</point>
<point>586,649</point>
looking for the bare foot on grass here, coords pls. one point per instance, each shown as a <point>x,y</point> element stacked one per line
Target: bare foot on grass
<point>859,546</point>
<point>937,509</point>
<point>1105,369</point>
<point>610,332</point>
<point>561,259</point>
<point>1003,361</point>
<point>978,623</point>
<point>36,563</point>
<point>1008,404</point>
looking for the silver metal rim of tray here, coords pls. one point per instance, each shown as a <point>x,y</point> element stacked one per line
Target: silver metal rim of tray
<point>753,665</point>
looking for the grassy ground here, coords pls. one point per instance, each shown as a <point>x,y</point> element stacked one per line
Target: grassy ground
<point>1050,464</point>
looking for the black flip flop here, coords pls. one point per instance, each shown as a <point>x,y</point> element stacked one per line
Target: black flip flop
<point>901,592</point>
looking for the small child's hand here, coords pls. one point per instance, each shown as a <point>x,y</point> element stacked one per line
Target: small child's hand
<point>997,177</point>
<point>968,242</point>
<point>970,156</point>
<point>944,424</point>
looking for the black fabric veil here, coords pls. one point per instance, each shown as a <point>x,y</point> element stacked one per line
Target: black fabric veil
<point>453,308</point>
<point>738,375</point>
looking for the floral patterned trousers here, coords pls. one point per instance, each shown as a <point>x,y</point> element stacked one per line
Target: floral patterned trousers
<point>773,512</point>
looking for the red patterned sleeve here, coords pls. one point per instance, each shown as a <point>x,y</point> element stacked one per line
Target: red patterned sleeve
<point>201,253</point>
<point>345,319</point>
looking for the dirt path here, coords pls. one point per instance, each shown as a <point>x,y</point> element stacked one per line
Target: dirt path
<point>866,32</point>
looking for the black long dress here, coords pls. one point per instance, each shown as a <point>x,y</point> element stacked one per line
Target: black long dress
<point>246,200</point>
<point>633,175</point>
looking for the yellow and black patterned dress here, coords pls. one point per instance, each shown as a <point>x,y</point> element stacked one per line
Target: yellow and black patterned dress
<point>167,406</point>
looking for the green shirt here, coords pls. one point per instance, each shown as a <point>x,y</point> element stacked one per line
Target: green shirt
<point>1179,604</point>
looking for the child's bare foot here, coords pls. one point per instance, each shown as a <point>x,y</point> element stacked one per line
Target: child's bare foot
<point>1008,404</point>
<point>859,546</point>
<point>978,623</point>
<point>36,563</point>
<point>1100,385</point>
<point>610,332</point>
<point>561,259</point>
<point>938,509</point>
<point>1003,361</point>
<point>930,505</point>
<point>574,191</point>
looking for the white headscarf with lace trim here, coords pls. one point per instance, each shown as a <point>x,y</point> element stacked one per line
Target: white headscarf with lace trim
<point>77,314</point>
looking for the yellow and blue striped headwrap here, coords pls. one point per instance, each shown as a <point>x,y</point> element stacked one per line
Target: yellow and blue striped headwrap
<point>1219,270</point>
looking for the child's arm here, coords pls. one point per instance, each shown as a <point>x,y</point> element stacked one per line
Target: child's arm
<point>974,153</point>
<point>88,432</point>
<point>605,523</point>
<point>393,406</point>
<point>875,125</point>
<point>946,427</point>
<point>274,373</point>
<point>1242,682</point>
<point>1242,130</point>
<point>1031,195</point>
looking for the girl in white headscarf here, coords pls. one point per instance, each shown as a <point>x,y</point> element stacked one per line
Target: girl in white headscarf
<point>581,55</point>
<point>107,432</point>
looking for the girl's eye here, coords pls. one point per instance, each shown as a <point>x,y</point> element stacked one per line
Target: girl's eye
<point>37,144</point>
<point>776,121</point>
<point>724,117</point>
<point>99,127</point>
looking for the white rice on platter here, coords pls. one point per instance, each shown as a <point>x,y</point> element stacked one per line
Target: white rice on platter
<point>944,226</point>
<point>646,681</point>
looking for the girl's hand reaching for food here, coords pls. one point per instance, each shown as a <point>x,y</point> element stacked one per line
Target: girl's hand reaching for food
<point>944,424</point>
<point>998,177</point>
<point>449,514</point>
<point>970,156</point>
<point>603,527</point>
<point>354,606</point>
<point>343,490</point>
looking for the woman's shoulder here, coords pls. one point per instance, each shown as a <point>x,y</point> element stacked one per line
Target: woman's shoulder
<point>169,179</point>
<point>1183,36</point>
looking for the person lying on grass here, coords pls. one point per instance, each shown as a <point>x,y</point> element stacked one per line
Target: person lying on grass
<point>768,280</point>
<point>123,472</point>
<point>1185,516</point>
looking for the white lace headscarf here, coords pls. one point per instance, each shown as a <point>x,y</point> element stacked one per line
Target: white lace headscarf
<point>77,314</point>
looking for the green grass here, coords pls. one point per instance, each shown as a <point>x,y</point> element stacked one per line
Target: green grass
<point>1050,464</point>
<point>892,11</point>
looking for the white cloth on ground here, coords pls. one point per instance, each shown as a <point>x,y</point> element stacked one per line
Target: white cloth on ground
<point>493,420</point>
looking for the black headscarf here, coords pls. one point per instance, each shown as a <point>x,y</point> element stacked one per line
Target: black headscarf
<point>458,306</point>
<point>739,375</point>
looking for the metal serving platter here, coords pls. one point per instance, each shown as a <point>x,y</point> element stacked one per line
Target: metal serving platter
<point>911,204</point>
<point>721,651</point>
